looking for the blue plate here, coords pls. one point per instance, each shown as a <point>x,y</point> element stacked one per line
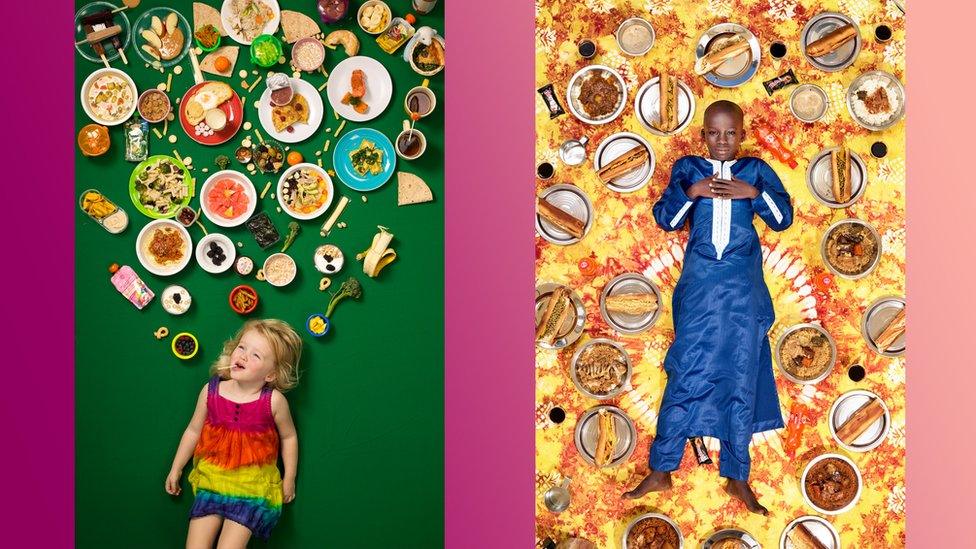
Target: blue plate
<point>343,166</point>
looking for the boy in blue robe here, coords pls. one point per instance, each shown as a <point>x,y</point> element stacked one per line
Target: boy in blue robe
<point>720,376</point>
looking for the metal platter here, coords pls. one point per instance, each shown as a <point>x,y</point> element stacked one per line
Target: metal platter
<point>857,473</point>
<point>573,91</point>
<point>630,283</point>
<point>571,199</point>
<point>588,429</point>
<point>820,179</point>
<point>572,328</point>
<point>833,353</point>
<point>746,541</point>
<point>582,388</point>
<point>647,106</point>
<point>615,146</point>
<point>665,518</point>
<point>876,318</point>
<point>845,406</point>
<point>819,527</point>
<point>869,268</point>
<point>739,69</point>
<point>822,24</point>
<point>894,86</point>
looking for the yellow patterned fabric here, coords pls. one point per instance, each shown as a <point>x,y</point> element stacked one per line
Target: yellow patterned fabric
<point>625,238</point>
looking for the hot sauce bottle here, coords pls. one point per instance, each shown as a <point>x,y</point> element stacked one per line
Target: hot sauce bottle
<point>772,143</point>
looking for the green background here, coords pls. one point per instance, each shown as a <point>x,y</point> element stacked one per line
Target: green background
<point>369,407</point>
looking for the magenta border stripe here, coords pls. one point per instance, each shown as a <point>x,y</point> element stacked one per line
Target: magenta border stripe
<point>490,261</point>
<point>37,407</point>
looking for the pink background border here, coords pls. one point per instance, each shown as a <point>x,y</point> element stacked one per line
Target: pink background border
<point>489,395</point>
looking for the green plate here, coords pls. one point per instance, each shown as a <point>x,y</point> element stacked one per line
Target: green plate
<point>134,194</point>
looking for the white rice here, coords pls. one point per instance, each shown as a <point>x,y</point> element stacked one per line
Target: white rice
<point>870,85</point>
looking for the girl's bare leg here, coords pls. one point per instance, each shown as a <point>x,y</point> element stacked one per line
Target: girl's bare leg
<point>203,531</point>
<point>233,536</point>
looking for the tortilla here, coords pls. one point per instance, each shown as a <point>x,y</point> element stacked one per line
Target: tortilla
<point>207,15</point>
<point>297,26</point>
<point>295,111</point>
<point>207,63</point>
<point>412,190</point>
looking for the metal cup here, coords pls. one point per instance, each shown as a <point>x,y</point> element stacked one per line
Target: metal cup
<point>557,498</point>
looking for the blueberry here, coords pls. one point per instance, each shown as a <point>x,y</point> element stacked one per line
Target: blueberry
<point>177,298</point>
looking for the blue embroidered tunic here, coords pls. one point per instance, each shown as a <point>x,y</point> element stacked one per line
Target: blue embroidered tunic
<point>720,377</point>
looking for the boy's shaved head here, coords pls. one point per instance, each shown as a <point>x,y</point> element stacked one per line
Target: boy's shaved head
<point>725,107</point>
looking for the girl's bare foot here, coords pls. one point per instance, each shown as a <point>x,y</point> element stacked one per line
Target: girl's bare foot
<point>655,481</point>
<point>740,490</point>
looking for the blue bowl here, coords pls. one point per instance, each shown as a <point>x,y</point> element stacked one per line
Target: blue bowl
<point>343,166</point>
<point>308,324</point>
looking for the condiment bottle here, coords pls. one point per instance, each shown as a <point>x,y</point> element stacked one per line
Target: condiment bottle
<point>772,143</point>
<point>397,34</point>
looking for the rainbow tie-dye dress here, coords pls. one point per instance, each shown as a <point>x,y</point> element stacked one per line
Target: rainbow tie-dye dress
<point>235,471</point>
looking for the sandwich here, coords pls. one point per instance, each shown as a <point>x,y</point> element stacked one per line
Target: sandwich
<point>864,417</point>
<point>607,439</point>
<point>624,164</point>
<point>631,304</point>
<point>840,172</point>
<point>802,538</point>
<point>554,316</point>
<point>892,331</point>
<point>721,53</point>
<point>560,218</point>
<point>832,41</point>
<point>669,103</point>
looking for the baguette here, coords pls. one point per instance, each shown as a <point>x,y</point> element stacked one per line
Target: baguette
<point>557,309</point>
<point>607,440</point>
<point>632,304</point>
<point>731,48</point>
<point>864,417</point>
<point>560,218</point>
<point>668,103</point>
<point>840,172</point>
<point>623,164</point>
<point>892,331</point>
<point>803,538</point>
<point>831,41</point>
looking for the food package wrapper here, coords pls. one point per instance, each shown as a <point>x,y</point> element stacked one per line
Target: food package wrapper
<point>128,283</point>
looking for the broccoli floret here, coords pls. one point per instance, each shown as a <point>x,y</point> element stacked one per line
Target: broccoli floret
<point>293,229</point>
<point>349,288</point>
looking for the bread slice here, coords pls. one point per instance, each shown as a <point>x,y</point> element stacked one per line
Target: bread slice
<point>840,172</point>
<point>721,53</point>
<point>412,190</point>
<point>802,538</point>
<point>297,25</point>
<point>631,304</point>
<point>557,309</point>
<point>209,63</point>
<point>204,14</point>
<point>625,163</point>
<point>560,218</point>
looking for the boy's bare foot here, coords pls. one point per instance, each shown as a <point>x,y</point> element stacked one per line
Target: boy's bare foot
<point>655,481</point>
<point>740,490</point>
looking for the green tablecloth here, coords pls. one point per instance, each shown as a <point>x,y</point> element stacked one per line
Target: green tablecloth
<point>369,407</point>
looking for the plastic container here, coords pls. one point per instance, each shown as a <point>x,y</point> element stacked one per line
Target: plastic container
<point>114,220</point>
<point>397,34</point>
<point>266,50</point>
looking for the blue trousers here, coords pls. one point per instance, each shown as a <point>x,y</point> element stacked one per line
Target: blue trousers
<point>733,460</point>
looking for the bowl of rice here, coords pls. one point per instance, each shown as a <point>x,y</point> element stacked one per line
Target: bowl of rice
<point>308,54</point>
<point>876,100</point>
<point>280,269</point>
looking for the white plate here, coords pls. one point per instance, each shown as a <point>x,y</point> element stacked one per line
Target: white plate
<point>615,146</point>
<point>647,106</point>
<point>818,459</point>
<point>845,406</point>
<point>269,28</point>
<point>321,209</point>
<point>151,265</point>
<point>819,527</point>
<point>95,76</point>
<point>572,93</point>
<point>379,87</point>
<point>571,199</point>
<point>302,130</point>
<point>229,250</point>
<point>249,189</point>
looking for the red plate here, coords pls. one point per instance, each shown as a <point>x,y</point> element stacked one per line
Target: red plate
<point>233,108</point>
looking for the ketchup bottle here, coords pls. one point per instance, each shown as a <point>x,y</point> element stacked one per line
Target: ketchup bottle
<point>772,143</point>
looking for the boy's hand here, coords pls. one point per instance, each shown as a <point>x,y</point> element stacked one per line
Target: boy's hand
<point>702,188</point>
<point>734,189</point>
<point>288,490</point>
<point>173,482</point>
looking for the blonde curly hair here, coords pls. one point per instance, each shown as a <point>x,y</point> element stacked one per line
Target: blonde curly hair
<point>284,342</point>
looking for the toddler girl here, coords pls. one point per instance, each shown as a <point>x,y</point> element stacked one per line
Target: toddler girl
<point>241,419</point>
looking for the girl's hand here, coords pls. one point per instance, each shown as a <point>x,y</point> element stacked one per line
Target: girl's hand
<point>173,483</point>
<point>734,189</point>
<point>288,489</point>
